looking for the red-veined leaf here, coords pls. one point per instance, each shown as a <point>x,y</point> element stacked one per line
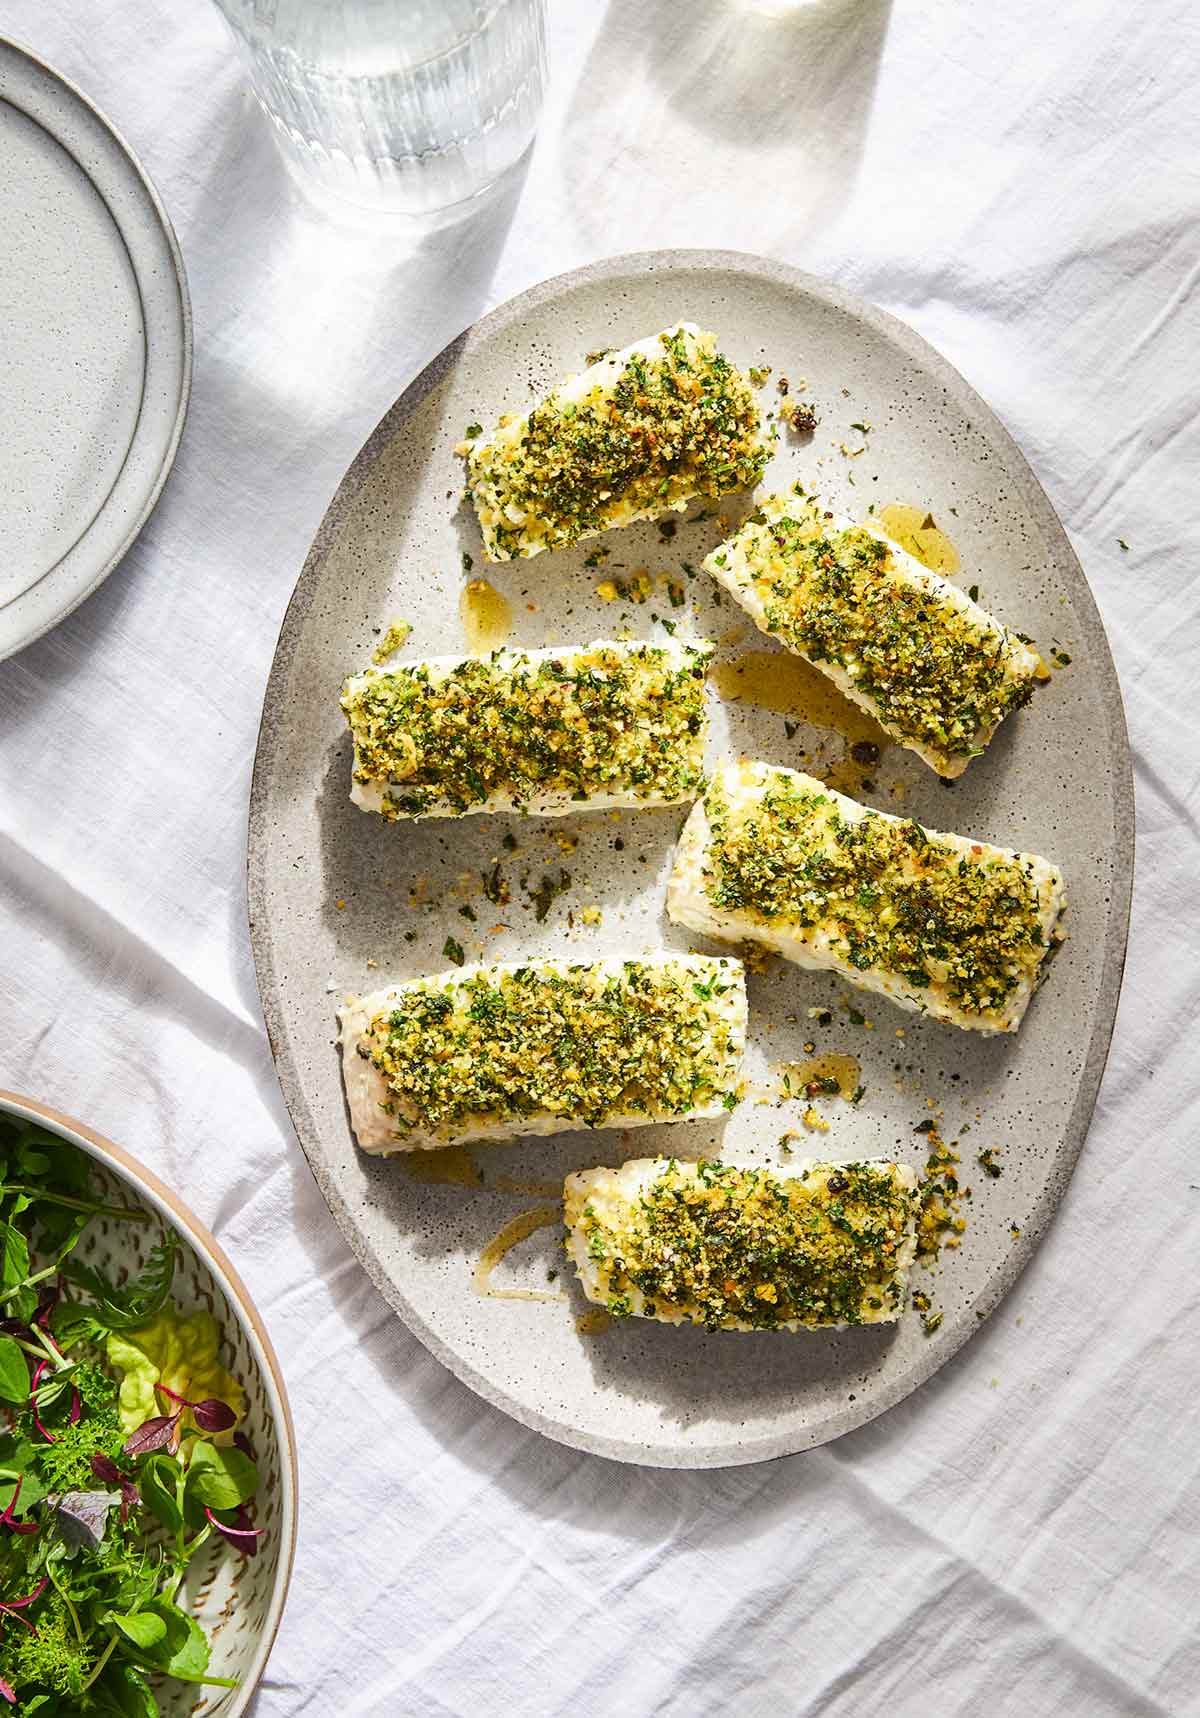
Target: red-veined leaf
<point>213,1415</point>
<point>155,1434</point>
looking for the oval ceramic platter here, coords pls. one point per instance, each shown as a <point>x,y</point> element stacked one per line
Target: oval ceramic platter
<point>96,355</point>
<point>341,902</point>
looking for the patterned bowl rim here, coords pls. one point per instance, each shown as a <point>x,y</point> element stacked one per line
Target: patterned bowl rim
<point>170,1207</point>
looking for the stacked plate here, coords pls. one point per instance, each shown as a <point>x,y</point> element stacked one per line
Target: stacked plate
<point>96,356</point>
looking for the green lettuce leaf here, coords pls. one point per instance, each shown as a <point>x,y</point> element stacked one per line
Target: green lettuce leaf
<point>143,1628</point>
<point>14,1373</point>
<point>220,1479</point>
<point>183,1650</point>
<point>178,1351</point>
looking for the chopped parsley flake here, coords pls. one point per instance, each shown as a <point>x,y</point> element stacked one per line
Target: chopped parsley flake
<point>548,891</point>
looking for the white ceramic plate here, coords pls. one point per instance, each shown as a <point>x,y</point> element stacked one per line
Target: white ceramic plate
<point>96,352</point>
<point>330,886</point>
<point>238,1600</point>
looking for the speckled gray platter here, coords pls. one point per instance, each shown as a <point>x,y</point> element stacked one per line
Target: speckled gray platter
<point>95,353</point>
<point>330,886</point>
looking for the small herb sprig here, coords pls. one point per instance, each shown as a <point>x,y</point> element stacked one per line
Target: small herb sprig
<point>120,1458</point>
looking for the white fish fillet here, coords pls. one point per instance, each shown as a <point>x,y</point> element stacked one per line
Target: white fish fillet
<point>822,943</point>
<point>610,1241</point>
<point>523,504</point>
<point>649,753</point>
<point>711,998</point>
<point>761,576</point>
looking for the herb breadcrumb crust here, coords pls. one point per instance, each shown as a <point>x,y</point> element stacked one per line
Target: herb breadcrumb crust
<point>938,673</point>
<point>940,924</point>
<point>733,1247</point>
<point>637,434</point>
<point>542,1046</point>
<point>543,731</point>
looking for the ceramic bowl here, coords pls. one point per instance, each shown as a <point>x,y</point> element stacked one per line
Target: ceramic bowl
<point>237,1600</point>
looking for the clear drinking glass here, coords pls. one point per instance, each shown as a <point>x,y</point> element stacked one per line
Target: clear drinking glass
<point>409,105</point>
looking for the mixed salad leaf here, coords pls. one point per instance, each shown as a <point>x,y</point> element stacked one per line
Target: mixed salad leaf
<point>120,1454</point>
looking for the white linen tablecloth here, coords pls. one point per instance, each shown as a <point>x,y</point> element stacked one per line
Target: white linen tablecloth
<point>1020,183</point>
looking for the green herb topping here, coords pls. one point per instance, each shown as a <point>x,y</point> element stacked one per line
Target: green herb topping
<point>667,426</point>
<point>937,675</point>
<point>889,896</point>
<point>587,1042</point>
<point>625,719</point>
<point>728,1246</point>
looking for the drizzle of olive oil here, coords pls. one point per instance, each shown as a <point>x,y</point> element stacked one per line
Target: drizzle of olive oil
<point>450,1166</point>
<point>518,1229</point>
<point>787,684</point>
<point>591,1323</point>
<point>536,1189</point>
<point>914,529</point>
<point>487,616</point>
<point>833,1066</point>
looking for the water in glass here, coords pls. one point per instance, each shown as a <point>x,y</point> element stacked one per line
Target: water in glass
<point>411,105</point>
